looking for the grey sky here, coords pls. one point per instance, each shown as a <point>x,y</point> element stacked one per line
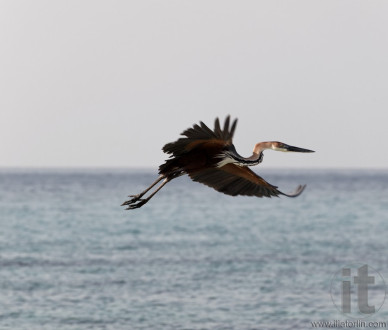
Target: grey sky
<point>107,83</point>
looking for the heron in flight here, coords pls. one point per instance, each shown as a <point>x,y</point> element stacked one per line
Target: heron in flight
<point>209,157</point>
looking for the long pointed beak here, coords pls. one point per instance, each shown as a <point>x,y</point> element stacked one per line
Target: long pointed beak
<point>295,149</point>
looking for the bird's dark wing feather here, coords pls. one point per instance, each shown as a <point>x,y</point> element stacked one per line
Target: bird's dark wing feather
<point>198,135</point>
<point>236,180</point>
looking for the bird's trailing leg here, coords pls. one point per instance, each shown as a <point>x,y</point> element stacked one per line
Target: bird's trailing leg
<point>135,198</point>
<point>137,201</point>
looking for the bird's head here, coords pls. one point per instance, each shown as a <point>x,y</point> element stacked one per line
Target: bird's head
<point>277,146</point>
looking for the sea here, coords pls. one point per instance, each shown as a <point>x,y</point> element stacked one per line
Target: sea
<point>72,258</point>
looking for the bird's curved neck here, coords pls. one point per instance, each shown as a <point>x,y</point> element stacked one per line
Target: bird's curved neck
<point>255,159</point>
<point>260,147</point>
<point>257,155</point>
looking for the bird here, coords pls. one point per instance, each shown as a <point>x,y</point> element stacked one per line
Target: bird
<point>209,157</point>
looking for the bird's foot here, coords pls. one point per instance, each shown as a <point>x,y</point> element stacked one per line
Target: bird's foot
<point>134,199</point>
<point>134,204</point>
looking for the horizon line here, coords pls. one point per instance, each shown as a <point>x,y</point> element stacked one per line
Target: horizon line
<point>151,168</point>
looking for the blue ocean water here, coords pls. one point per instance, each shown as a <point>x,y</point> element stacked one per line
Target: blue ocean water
<point>72,258</point>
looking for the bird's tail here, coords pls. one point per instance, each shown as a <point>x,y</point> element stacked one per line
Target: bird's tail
<point>168,167</point>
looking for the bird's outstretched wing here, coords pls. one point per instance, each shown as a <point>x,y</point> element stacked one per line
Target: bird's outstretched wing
<point>201,135</point>
<point>236,180</point>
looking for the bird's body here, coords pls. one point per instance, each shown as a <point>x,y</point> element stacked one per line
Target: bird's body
<point>209,157</point>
